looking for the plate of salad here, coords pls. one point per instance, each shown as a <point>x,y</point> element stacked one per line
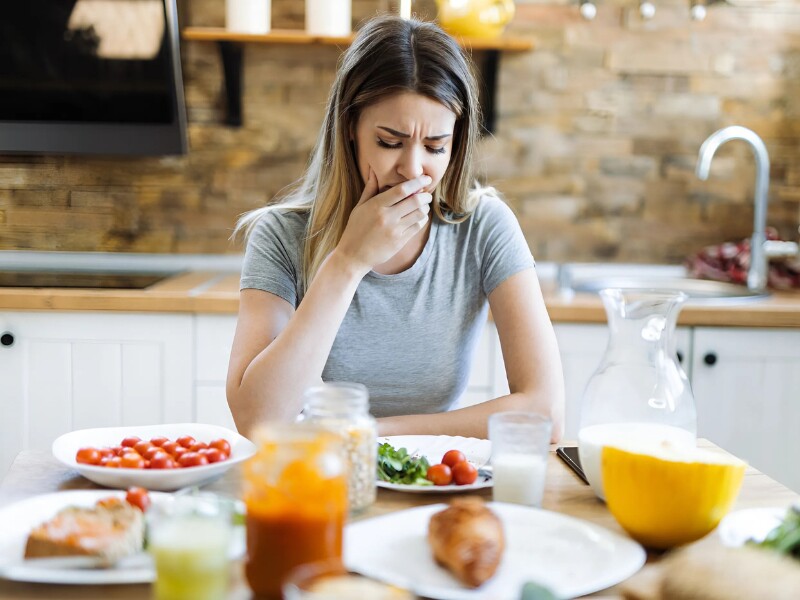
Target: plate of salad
<point>433,463</point>
<point>774,528</point>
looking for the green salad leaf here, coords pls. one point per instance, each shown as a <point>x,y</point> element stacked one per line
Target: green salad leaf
<point>785,538</point>
<point>398,466</point>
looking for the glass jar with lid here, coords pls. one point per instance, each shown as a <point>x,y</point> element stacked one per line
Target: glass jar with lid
<point>344,409</point>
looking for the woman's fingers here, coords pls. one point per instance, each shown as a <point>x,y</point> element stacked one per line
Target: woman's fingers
<point>417,217</point>
<point>370,187</point>
<point>413,203</point>
<point>403,190</point>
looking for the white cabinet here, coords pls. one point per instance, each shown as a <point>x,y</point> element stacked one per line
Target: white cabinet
<point>746,385</point>
<point>62,371</point>
<point>214,339</point>
<point>581,347</point>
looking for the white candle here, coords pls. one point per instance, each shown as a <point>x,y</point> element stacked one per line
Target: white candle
<point>328,17</point>
<point>248,16</point>
<point>405,9</point>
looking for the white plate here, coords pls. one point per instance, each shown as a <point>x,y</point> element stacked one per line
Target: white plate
<point>749,524</point>
<point>569,556</point>
<point>17,520</point>
<point>66,446</point>
<point>433,447</point>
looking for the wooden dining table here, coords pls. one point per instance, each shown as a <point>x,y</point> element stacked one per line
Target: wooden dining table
<point>37,472</point>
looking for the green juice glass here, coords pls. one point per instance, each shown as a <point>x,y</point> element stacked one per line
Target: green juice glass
<point>189,539</point>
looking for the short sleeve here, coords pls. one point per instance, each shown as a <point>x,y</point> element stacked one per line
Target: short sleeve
<point>272,259</point>
<point>502,249</point>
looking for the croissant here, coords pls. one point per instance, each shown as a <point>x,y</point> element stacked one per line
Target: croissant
<point>467,539</point>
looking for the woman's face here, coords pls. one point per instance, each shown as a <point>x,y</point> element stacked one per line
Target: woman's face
<point>402,137</point>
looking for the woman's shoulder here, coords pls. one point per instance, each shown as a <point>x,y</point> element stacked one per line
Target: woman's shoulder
<point>490,212</point>
<point>281,221</point>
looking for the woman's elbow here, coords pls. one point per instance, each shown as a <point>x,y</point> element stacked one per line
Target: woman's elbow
<point>549,403</point>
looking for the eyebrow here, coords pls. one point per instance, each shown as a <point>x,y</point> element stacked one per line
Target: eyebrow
<point>400,134</point>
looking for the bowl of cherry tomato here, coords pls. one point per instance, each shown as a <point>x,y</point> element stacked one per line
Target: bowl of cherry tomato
<point>157,457</point>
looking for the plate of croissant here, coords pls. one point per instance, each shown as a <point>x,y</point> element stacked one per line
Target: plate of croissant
<point>475,549</point>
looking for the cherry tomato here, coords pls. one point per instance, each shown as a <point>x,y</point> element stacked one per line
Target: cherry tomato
<point>106,452</point>
<point>161,460</point>
<point>170,447</point>
<point>464,473</point>
<point>132,460</point>
<point>138,497</point>
<point>159,441</point>
<point>197,446</point>
<point>453,457</point>
<point>115,462</point>
<point>192,459</point>
<point>186,441</point>
<point>130,442</point>
<point>214,455</point>
<point>222,445</point>
<point>120,450</point>
<point>88,456</point>
<point>151,451</point>
<point>179,451</point>
<point>440,474</point>
<point>142,447</point>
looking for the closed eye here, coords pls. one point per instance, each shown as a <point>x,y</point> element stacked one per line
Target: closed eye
<point>384,144</point>
<point>398,145</point>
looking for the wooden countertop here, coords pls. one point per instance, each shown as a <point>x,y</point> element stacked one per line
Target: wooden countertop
<point>34,473</point>
<point>218,292</point>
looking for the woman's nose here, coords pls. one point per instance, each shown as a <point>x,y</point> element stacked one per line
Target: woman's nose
<point>410,164</point>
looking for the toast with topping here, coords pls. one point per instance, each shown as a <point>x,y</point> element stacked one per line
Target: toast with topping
<point>112,529</point>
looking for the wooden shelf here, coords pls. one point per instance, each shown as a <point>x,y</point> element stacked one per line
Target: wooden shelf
<point>231,45</point>
<point>297,36</point>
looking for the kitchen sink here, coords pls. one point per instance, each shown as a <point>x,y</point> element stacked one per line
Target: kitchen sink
<point>700,291</point>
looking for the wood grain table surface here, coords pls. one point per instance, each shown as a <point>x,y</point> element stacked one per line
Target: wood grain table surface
<point>34,473</point>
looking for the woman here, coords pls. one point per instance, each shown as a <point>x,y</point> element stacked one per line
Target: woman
<point>378,266</point>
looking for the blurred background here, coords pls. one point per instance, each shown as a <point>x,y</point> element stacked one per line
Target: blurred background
<point>596,137</point>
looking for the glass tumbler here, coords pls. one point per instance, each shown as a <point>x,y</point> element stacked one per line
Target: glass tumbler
<point>520,443</point>
<point>189,537</point>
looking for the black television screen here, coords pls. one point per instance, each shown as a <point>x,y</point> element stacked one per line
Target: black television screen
<point>91,76</point>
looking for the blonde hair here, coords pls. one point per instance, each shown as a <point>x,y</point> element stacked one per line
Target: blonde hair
<point>389,55</point>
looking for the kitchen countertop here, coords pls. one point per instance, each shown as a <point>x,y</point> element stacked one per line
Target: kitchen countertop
<point>204,291</point>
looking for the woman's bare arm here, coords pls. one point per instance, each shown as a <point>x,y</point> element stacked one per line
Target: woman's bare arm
<point>533,367</point>
<point>279,352</point>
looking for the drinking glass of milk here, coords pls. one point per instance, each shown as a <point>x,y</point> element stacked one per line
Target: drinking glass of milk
<point>520,443</point>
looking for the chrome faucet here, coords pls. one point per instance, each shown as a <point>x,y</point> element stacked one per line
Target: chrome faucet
<point>757,273</point>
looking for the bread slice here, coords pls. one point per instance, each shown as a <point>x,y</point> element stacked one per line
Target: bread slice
<point>110,530</point>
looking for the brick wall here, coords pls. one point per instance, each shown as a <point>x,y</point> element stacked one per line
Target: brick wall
<point>597,137</point>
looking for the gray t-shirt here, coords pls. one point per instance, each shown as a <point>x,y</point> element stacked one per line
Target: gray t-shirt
<point>408,337</point>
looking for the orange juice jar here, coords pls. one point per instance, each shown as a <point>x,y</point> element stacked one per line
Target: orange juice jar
<point>296,497</point>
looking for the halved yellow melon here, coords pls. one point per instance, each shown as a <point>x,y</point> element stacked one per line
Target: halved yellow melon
<point>667,496</point>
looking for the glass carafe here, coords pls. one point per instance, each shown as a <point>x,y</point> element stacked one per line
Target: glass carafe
<point>639,392</point>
